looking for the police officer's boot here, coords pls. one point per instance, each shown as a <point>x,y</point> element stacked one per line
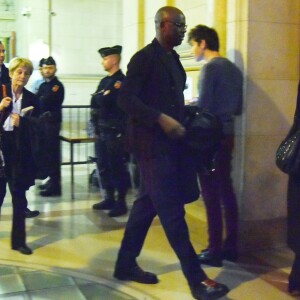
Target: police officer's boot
<point>120,207</point>
<point>108,202</point>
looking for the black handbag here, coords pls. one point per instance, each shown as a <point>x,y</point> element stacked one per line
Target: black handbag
<point>288,152</point>
<point>203,136</point>
<point>203,130</point>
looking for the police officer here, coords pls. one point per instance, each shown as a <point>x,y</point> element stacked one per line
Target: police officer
<point>51,94</point>
<point>109,122</point>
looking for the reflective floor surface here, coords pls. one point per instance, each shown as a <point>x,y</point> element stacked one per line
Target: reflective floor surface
<point>75,250</point>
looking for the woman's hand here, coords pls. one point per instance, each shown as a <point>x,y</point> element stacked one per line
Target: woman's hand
<point>15,120</point>
<point>5,102</point>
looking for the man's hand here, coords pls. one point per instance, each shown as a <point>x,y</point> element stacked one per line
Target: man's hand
<point>5,102</point>
<point>171,127</point>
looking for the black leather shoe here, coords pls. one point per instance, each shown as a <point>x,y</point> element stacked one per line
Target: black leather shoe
<point>51,192</point>
<point>44,186</point>
<point>209,290</point>
<point>294,288</point>
<point>23,249</point>
<point>118,210</point>
<point>31,213</point>
<point>135,274</point>
<point>294,285</point>
<point>230,255</point>
<point>105,204</point>
<point>208,258</point>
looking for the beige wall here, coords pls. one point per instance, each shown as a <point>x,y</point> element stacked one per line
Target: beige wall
<point>72,35</point>
<point>267,42</point>
<point>272,74</point>
<point>7,27</point>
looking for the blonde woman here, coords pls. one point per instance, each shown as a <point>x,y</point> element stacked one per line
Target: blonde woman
<point>16,136</point>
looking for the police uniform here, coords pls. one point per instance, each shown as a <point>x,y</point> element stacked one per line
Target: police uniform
<point>109,123</point>
<point>51,95</point>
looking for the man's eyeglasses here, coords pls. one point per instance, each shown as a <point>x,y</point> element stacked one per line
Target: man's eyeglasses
<point>177,24</point>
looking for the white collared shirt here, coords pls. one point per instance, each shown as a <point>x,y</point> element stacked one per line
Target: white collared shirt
<point>8,126</point>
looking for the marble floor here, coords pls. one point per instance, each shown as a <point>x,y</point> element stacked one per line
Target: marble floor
<point>75,249</point>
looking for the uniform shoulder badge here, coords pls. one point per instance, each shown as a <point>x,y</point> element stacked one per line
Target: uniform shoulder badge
<point>117,84</point>
<point>55,88</point>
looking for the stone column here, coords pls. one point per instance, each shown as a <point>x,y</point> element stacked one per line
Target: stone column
<point>219,22</point>
<point>265,45</point>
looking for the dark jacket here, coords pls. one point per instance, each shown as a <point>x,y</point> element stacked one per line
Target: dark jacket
<point>18,152</point>
<point>148,90</point>
<point>51,95</point>
<point>105,113</point>
<point>4,79</point>
<point>153,85</point>
<point>293,207</point>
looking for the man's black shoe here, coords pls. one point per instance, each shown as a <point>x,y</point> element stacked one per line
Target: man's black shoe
<point>105,204</point>
<point>23,249</point>
<point>230,255</point>
<point>118,210</point>
<point>208,258</point>
<point>51,192</point>
<point>209,290</point>
<point>31,213</point>
<point>135,274</point>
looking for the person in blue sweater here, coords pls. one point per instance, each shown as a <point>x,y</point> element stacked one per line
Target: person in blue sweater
<point>220,93</point>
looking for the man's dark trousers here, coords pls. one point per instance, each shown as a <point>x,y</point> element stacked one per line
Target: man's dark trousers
<point>161,193</point>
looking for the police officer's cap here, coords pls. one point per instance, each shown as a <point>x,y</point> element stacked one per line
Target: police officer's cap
<point>41,62</point>
<point>110,50</point>
<point>49,61</point>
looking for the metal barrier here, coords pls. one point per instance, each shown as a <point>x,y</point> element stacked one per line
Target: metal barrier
<point>74,132</point>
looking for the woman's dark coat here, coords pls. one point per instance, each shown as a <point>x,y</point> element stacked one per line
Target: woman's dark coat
<point>20,153</point>
<point>293,207</point>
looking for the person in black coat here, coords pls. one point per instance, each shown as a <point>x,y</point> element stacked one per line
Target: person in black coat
<point>4,76</point>
<point>5,79</point>
<point>51,94</point>
<point>152,96</point>
<point>17,148</point>
<point>293,226</point>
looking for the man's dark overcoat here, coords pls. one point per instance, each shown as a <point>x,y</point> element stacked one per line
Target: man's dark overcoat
<point>147,93</point>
